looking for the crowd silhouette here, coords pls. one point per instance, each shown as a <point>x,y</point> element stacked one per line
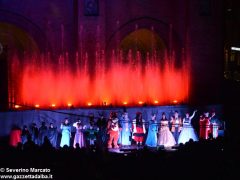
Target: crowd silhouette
<point>211,158</point>
<point>207,159</point>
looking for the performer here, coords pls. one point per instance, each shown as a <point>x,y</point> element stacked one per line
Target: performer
<point>151,140</point>
<point>15,136</point>
<point>125,133</point>
<point>25,134</point>
<point>102,134</point>
<point>91,132</point>
<point>176,123</point>
<point>79,135</point>
<point>215,125</point>
<point>205,128</point>
<point>187,132</point>
<point>113,130</point>
<point>66,133</point>
<point>52,135</point>
<point>34,133</point>
<point>139,129</point>
<point>43,131</point>
<point>165,137</point>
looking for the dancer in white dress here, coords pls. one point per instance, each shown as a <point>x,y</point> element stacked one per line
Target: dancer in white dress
<point>165,136</point>
<point>79,135</point>
<point>187,132</point>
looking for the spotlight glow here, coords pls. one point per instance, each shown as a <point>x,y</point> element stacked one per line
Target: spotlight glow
<point>140,102</point>
<point>17,106</point>
<point>175,101</point>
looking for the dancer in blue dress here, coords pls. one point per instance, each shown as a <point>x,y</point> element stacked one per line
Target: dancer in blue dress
<point>66,133</point>
<point>151,140</point>
<point>125,133</point>
<point>187,132</point>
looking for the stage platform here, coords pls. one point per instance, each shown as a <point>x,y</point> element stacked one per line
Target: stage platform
<point>56,116</point>
<point>134,149</point>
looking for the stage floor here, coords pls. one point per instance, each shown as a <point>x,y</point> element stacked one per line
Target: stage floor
<point>134,148</point>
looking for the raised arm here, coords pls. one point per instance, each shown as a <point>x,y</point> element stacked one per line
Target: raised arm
<point>75,124</point>
<point>213,114</point>
<point>193,114</point>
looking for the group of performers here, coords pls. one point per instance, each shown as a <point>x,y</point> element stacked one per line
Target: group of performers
<point>167,133</point>
<point>35,134</point>
<point>114,132</point>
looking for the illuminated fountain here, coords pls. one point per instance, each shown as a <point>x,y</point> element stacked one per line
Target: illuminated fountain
<point>130,79</point>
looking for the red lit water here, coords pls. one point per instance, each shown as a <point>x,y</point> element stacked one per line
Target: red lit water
<point>117,81</point>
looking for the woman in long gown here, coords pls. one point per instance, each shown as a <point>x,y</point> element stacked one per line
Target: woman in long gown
<point>165,137</point>
<point>66,133</point>
<point>151,140</point>
<point>125,133</point>
<point>187,132</point>
<point>79,135</point>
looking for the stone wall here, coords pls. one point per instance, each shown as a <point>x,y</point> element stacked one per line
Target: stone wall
<point>196,26</point>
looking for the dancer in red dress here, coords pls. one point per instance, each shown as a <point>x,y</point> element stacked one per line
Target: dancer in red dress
<point>205,126</point>
<point>15,136</point>
<point>139,128</point>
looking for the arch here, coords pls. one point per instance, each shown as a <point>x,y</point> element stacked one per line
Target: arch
<point>26,25</point>
<point>163,29</point>
<point>144,41</point>
<point>16,39</point>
